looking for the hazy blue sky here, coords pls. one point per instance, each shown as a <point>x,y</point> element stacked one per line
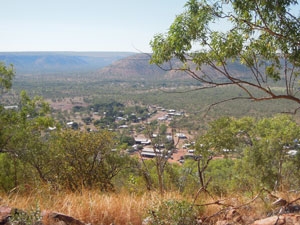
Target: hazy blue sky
<point>84,25</point>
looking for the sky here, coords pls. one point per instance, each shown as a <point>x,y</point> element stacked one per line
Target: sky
<point>84,25</point>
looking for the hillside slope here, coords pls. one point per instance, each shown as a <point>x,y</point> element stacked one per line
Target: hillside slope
<point>138,66</point>
<point>133,66</point>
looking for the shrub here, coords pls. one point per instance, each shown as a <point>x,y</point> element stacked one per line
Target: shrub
<point>173,212</point>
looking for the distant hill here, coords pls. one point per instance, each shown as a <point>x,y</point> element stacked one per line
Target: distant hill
<point>133,66</point>
<point>138,66</point>
<point>108,65</point>
<point>55,62</point>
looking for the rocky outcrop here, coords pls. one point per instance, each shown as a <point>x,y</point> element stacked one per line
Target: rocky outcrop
<point>61,219</point>
<point>285,215</point>
<point>285,219</point>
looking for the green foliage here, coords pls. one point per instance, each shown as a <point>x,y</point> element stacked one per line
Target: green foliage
<point>20,136</point>
<point>127,140</point>
<point>179,212</point>
<point>261,146</point>
<point>19,217</point>
<point>275,137</point>
<point>63,159</point>
<point>85,159</point>
<point>105,122</point>
<point>258,34</point>
<point>222,172</point>
<point>78,108</point>
<point>87,120</point>
<point>226,135</point>
<point>10,172</point>
<point>6,76</point>
<point>27,122</point>
<point>110,107</point>
<point>67,159</point>
<point>188,181</point>
<point>163,129</point>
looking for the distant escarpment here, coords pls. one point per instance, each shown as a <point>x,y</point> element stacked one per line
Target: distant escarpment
<point>57,62</point>
<point>138,66</point>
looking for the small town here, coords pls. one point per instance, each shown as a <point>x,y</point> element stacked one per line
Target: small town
<point>174,112</point>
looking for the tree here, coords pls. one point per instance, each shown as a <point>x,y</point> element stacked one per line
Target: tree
<point>263,36</point>
<point>125,139</point>
<point>29,119</point>
<point>272,139</point>
<point>261,148</point>
<point>162,154</point>
<point>6,76</point>
<point>86,160</point>
<point>227,135</point>
<point>23,134</point>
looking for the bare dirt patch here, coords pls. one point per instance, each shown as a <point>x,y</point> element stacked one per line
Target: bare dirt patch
<point>66,104</point>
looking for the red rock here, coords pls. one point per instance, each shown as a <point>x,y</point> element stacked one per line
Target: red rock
<point>286,219</point>
<point>4,214</point>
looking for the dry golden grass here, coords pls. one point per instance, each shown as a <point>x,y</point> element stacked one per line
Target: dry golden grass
<point>90,206</point>
<point>94,207</point>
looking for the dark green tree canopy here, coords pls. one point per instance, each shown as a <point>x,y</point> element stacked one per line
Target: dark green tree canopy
<point>262,35</point>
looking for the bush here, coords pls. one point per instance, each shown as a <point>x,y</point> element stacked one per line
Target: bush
<point>173,212</point>
<point>19,217</point>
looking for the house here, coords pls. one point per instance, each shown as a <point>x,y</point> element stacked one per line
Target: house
<point>119,118</point>
<point>163,118</point>
<point>142,141</point>
<point>148,150</point>
<point>181,135</point>
<point>11,107</point>
<point>154,135</point>
<point>186,145</point>
<point>51,128</point>
<point>292,152</point>
<point>169,137</point>
<point>150,153</point>
<point>69,124</point>
<point>178,114</point>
